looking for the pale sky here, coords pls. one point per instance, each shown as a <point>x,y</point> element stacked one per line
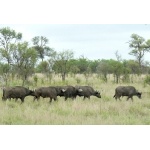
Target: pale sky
<point>93,41</point>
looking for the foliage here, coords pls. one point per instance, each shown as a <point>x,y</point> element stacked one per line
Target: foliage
<point>40,45</point>
<point>7,38</point>
<point>24,59</point>
<point>147,80</point>
<point>61,64</point>
<point>104,69</point>
<point>4,69</point>
<point>139,48</point>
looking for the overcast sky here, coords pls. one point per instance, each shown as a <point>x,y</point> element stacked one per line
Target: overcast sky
<point>93,41</point>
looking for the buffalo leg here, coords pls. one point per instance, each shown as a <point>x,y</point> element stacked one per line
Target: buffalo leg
<point>55,99</point>
<point>66,98</point>
<point>22,100</point>
<point>50,100</point>
<point>128,98</point>
<point>116,97</point>
<point>132,99</point>
<point>119,98</point>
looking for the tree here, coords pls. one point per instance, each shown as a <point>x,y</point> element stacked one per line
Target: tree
<point>139,48</point>
<point>74,68</point>
<point>40,44</point>
<point>8,37</point>
<point>118,56</point>
<point>61,64</point>
<point>103,69</point>
<point>83,64</point>
<point>4,68</point>
<point>24,60</point>
<point>117,68</point>
<point>93,65</point>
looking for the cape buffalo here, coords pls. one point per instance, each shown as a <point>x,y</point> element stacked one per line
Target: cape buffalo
<point>16,92</point>
<point>87,91</point>
<point>129,91</point>
<point>69,92</point>
<point>45,92</point>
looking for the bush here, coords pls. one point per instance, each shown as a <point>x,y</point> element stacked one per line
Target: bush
<point>147,80</point>
<point>35,79</point>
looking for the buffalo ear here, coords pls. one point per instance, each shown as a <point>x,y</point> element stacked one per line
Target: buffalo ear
<point>80,90</point>
<point>63,90</point>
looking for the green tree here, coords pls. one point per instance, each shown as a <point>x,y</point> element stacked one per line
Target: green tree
<point>62,63</point>
<point>116,68</point>
<point>93,65</point>
<point>40,45</point>
<point>24,60</point>
<point>139,47</point>
<point>83,64</point>
<point>43,67</point>
<point>74,68</point>
<point>126,71</point>
<point>103,69</point>
<point>8,37</point>
<point>4,68</point>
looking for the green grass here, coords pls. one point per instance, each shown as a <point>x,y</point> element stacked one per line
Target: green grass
<point>104,111</point>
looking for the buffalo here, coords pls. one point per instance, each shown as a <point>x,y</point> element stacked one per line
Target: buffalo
<point>87,91</point>
<point>69,92</point>
<point>129,91</point>
<point>16,92</point>
<point>45,92</point>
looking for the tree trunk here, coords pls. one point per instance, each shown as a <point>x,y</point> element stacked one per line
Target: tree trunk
<point>63,76</point>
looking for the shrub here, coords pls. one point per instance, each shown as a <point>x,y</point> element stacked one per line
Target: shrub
<point>147,80</point>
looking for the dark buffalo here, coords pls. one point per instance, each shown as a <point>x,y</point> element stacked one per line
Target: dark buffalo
<point>46,92</point>
<point>60,90</point>
<point>16,92</point>
<point>87,91</point>
<point>129,91</point>
<point>69,92</point>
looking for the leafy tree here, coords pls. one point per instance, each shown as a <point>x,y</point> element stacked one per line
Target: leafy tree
<point>74,67</point>
<point>103,69</point>
<point>40,44</point>
<point>83,64</point>
<point>8,37</point>
<point>43,67</point>
<point>139,47</point>
<point>133,66</point>
<point>93,65</point>
<point>61,64</point>
<point>24,60</point>
<point>4,68</point>
<point>117,69</point>
<point>126,71</point>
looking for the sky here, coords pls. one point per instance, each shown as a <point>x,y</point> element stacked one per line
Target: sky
<point>93,41</point>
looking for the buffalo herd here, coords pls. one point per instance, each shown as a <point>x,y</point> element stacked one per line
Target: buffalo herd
<point>20,92</point>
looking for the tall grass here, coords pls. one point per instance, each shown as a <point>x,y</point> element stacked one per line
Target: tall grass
<point>104,111</point>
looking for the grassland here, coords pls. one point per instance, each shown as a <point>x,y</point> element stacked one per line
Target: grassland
<point>104,111</point>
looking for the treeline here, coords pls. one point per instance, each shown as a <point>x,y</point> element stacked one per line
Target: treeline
<point>25,58</point>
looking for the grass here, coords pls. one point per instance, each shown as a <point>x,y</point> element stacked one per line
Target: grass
<point>104,111</point>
